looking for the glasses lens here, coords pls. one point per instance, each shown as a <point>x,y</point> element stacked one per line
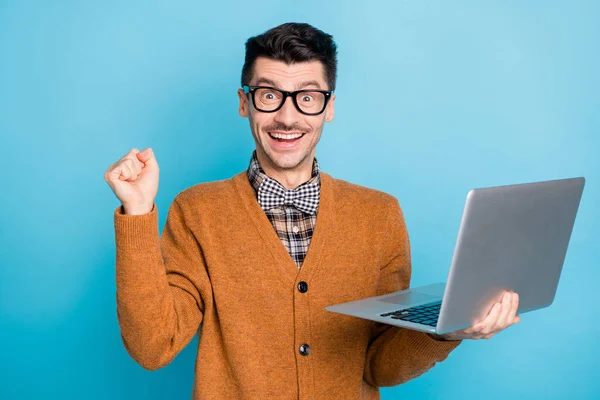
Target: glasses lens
<point>310,102</point>
<point>267,99</point>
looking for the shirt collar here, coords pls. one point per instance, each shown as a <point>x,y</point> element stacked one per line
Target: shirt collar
<point>257,175</point>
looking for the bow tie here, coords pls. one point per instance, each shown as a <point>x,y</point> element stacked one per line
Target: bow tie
<point>305,197</point>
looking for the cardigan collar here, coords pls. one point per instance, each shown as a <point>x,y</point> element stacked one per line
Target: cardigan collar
<point>325,221</point>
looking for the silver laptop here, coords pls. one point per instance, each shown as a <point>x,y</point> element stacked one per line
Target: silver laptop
<point>511,237</point>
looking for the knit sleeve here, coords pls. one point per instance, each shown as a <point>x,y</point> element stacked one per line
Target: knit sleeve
<point>160,283</point>
<point>396,355</point>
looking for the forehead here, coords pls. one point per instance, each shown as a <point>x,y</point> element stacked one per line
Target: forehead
<point>289,76</point>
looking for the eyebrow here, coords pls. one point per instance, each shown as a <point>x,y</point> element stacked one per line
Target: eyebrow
<point>299,86</point>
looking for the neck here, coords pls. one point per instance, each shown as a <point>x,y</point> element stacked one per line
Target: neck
<point>289,178</point>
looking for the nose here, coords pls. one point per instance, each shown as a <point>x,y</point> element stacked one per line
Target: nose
<point>288,114</point>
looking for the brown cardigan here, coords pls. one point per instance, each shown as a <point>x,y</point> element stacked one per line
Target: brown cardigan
<point>219,269</point>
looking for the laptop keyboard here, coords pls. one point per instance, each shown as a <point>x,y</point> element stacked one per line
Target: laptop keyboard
<point>426,314</point>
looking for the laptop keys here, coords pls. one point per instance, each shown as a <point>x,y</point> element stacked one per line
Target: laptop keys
<point>426,314</point>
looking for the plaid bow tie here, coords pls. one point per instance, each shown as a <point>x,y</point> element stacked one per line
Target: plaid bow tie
<point>273,194</point>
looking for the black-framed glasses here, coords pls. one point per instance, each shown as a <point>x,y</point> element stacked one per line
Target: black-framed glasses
<point>307,101</point>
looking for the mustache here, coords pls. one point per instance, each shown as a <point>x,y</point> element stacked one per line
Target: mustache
<point>285,128</point>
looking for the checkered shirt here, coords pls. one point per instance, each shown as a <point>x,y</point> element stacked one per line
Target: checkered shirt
<point>294,220</point>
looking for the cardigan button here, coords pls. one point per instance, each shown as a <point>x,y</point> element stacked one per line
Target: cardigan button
<point>303,287</point>
<point>304,349</point>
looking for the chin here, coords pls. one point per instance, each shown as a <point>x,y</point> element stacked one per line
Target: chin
<point>286,161</point>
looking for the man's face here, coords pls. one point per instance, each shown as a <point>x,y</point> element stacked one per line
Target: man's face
<point>286,155</point>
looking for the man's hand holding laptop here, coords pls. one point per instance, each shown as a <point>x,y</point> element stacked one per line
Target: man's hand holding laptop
<point>501,316</point>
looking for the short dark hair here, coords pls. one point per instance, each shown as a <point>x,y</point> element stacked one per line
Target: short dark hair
<point>291,43</point>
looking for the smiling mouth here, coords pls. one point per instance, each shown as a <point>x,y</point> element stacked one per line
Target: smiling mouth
<point>286,137</point>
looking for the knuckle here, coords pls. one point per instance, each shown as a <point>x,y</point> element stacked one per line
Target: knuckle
<point>136,164</point>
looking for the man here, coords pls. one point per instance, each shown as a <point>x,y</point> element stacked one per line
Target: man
<point>253,260</point>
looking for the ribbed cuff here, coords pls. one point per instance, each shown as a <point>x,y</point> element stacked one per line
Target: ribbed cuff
<point>136,231</point>
<point>430,347</point>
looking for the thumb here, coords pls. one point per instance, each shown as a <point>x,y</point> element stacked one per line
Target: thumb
<point>147,157</point>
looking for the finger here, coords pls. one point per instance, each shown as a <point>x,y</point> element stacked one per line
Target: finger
<point>475,328</point>
<point>135,166</point>
<point>491,319</point>
<point>513,311</point>
<point>121,172</point>
<point>130,154</point>
<point>504,313</point>
<point>133,156</point>
<point>147,157</point>
<point>128,172</point>
<point>113,172</point>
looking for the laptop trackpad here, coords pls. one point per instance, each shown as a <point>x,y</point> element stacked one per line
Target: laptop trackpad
<point>409,298</point>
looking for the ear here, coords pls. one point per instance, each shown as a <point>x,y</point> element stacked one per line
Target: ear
<point>243,110</point>
<point>330,109</point>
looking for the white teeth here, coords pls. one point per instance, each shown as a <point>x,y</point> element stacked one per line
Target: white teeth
<point>284,136</point>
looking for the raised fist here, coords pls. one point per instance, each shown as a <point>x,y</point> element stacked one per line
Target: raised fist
<point>134,180</point>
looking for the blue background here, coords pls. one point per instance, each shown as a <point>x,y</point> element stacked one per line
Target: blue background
<point>434,98</point>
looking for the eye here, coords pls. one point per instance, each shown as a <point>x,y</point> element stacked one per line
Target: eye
<point>267,95</point>
<point>306,98</point>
